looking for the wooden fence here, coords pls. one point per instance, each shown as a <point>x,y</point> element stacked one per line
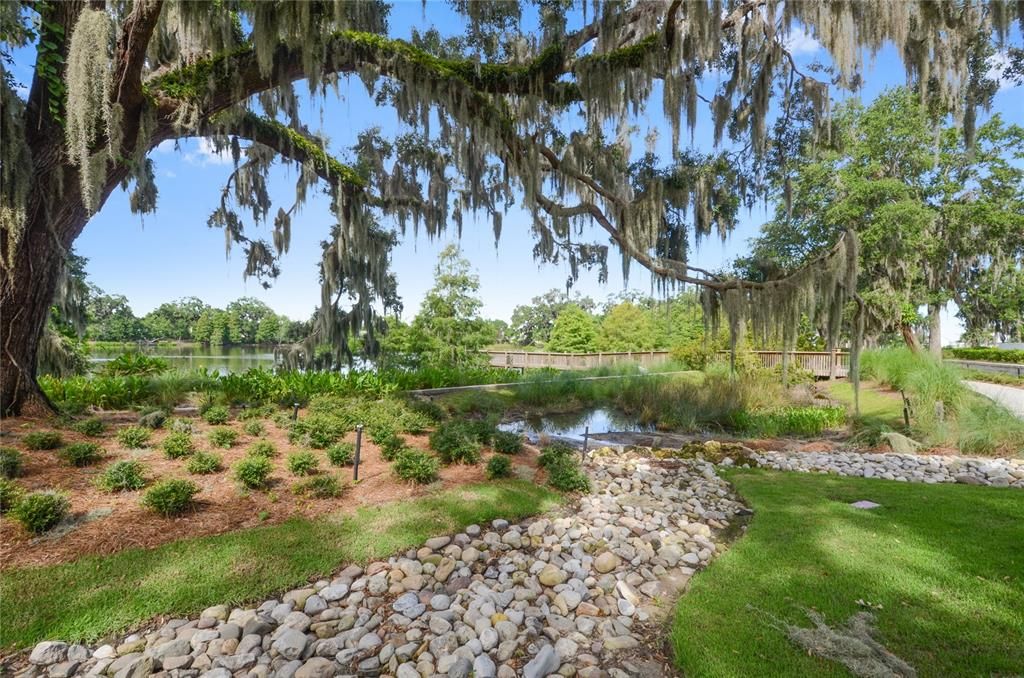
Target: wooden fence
<point>823,364</point>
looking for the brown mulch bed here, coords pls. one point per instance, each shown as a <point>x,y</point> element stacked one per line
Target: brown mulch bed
<point>106,523</point>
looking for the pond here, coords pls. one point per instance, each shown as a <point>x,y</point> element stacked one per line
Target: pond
<point>572,426</point>
<point>187,357</point>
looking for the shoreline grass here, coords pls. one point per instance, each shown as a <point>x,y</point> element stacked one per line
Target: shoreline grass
<point>97,595</point>
<point>943,562</point>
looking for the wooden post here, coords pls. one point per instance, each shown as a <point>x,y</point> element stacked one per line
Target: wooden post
<point>355,461</point>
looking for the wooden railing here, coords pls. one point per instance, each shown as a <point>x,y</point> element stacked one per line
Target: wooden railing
<point>572,361</point>
<point>826,364</point>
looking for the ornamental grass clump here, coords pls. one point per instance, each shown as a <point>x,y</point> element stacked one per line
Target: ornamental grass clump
<point>499,466</point>
<point>416,466</point>
<point>253,472</point>
<point>320,487</point>
<point>42,440</point>
<point>507,442</point>
<point>302,464</point>
<point>93,426</point>
<point>133,437</point>
<point>11,461</point>
<point>122,476</point>
<point>81,454</point>
<point>170,497</point>
<point>341,454</point>
<point>41,511</point>
<point>222,436</point>
<point>177,445</point>
<point>203,463</point>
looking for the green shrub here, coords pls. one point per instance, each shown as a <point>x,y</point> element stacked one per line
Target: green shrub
<point>317,430</point>
<point>202,463</point>
<point>41,511</point>
<point>253,471</point>
<point>566,475</point>
<point>391,447</point>
<point>81,454</point>
<point>10,494</point>
<point>170,497</point>
<point>990,355</point>
<point>302,463</point>
<point>42,440</point>
<point>254,428</point>
<point>133,437</point>
<point>217,414</point>
<point>134,364</point>
<point>283,421</point>
<point>11,461</point>
<point>455,443</point>
<point>259,412</point>
<point>222,436</point>
<point>428,409</point>
<point>179,425</point>
<point>554,453</point>
<point>988,428</point>
<point>93,426</point>
<point>153,419</point>
<point>262,448</point>
<point>481,429</point>
<point>340,454</point>
<point>416,465</point>
<point>322,487</point>
<point>499,466</point>
<point>122,476</point>
<point>177,445</point>
<point>508,442</point>
<point>378,433</point>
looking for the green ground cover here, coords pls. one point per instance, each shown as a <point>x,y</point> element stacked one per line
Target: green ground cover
<point>96,595</point>
<point>942,563</point>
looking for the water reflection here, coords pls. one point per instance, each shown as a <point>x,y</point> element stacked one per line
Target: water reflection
<point>222,359</point>
<point>573,425</point>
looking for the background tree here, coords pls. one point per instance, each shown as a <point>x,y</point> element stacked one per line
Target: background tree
<point>574,332</point>
<point>627,327</point>
<point>174,319</point>
<point>110,318</point>
<point>532,323</point>
<point>489,122</point>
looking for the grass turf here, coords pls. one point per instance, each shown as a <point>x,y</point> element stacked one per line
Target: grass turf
<point>93,596</point>
<point>944,561</point>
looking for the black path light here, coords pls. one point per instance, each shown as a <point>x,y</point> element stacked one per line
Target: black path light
<point>295,412</point>
<point>359,444</point>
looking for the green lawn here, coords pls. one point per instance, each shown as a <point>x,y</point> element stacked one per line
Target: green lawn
<point>94,596</point>
<point>876,407</point>
<point>945,562</point>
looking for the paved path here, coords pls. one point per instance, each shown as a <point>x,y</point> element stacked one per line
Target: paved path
<point>1008,396</point>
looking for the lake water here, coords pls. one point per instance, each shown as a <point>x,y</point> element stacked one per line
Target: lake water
<point>572,426</point>
<point>223,359</point>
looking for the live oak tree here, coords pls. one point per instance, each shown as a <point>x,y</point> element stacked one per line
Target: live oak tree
<point>542,115</point>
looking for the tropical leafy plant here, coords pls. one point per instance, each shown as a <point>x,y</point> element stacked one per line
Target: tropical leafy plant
<point>134,364</point>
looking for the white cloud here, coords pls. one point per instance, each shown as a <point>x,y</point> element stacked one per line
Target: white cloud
<point>169,174</point>
<point>800,42</point>
<point>206,154</point>
<point>997,63</point>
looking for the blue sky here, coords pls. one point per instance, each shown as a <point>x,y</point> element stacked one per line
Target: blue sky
<point>173,253</point>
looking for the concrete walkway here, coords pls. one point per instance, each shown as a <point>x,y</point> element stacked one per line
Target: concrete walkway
<point>1008,396</point>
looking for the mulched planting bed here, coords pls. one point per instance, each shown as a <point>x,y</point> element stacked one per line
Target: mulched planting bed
<point>104,523</point>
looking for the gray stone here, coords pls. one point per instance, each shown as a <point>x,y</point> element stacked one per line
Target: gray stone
<point>314,605</point>
<point>317,667</point>
<point>261,625</point>
<point>462,668</point>
<point>544,663</point>
<point>48,652</point>
<point>291,643</point>
<point>483,667</point>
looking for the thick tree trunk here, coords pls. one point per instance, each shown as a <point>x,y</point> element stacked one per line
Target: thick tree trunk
<point>935,330</point>
<point>908,337</point>
<point>26,293</point>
